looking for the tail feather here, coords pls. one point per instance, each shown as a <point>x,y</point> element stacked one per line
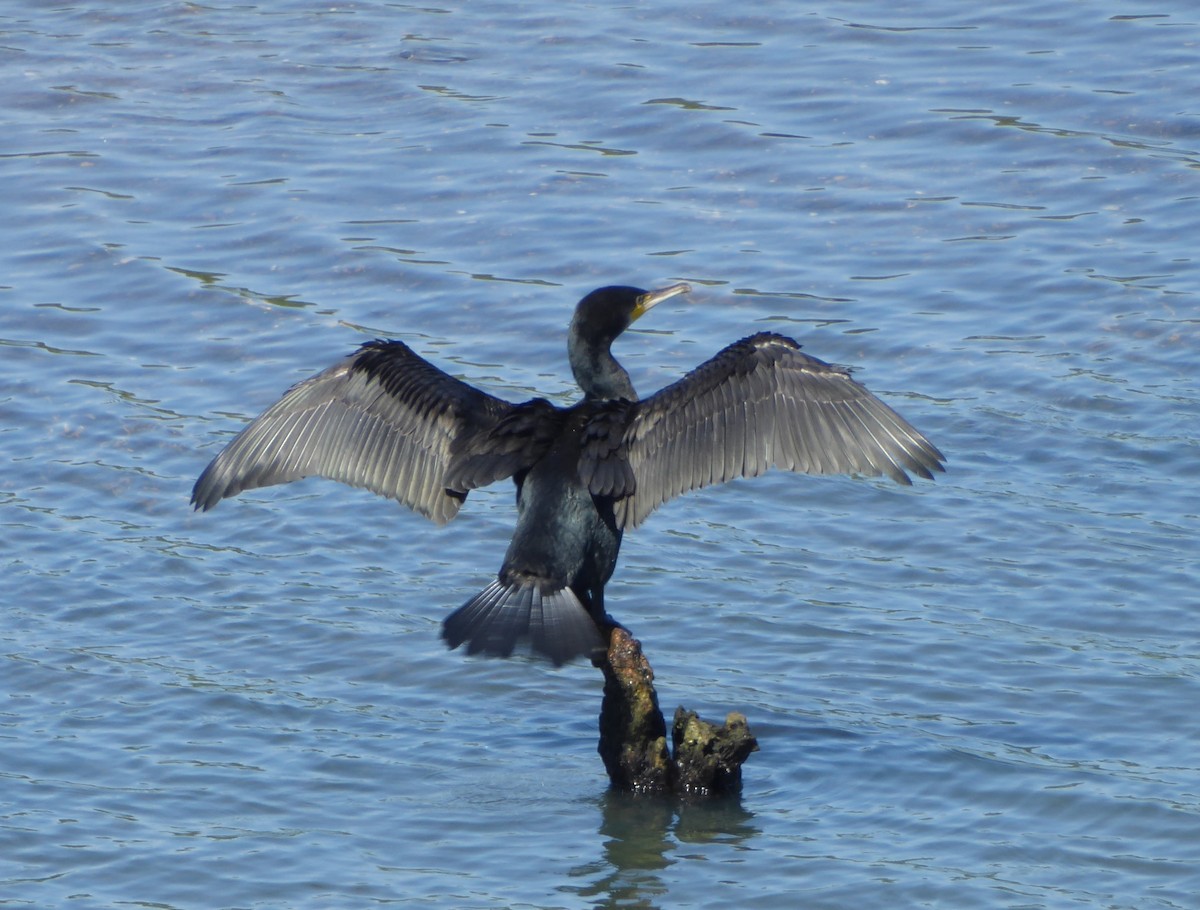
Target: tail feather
<point>500,617</point>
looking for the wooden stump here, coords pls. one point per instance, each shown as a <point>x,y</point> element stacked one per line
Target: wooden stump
<point>707,759</point>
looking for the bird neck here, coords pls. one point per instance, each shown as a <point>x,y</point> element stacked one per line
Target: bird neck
<point>598,373</point>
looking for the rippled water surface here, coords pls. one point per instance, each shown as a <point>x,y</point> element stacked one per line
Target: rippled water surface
<point>975,693</point>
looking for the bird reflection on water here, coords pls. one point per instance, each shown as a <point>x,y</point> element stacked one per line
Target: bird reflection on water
<point>643,837</point>
<point>386,419</point>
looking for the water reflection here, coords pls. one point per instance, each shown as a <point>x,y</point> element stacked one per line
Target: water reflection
<point>642,834</point>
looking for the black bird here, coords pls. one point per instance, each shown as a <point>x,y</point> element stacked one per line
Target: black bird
<point>386,419</point>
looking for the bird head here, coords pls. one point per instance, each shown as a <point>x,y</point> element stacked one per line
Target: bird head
<point>599,318</point>
<point>606,312</point>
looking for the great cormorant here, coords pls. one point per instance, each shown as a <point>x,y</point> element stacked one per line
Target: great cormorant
<point>385,419</point>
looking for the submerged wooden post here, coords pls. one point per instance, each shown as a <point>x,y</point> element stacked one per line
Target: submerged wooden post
<point>707,759</point>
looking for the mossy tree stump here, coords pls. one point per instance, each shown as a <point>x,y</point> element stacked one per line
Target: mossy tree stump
<point>705,759</point>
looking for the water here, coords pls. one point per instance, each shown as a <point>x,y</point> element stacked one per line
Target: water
<point>974,693</point>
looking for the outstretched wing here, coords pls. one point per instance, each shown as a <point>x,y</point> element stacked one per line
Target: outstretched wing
<point>383,418</point>
<point>761,403</point>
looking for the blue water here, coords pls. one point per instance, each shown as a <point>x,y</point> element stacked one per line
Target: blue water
<point>975,693</point>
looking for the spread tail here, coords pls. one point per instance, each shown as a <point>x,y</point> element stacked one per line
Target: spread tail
<point>498,618</point>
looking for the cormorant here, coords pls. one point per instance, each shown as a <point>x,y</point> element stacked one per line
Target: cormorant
<point>386,419</point>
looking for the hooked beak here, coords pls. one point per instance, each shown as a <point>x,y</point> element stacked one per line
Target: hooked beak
<point>653,298</point>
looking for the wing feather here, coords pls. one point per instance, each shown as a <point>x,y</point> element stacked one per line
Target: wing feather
<point>384,419</point>
<point>762,403</point>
